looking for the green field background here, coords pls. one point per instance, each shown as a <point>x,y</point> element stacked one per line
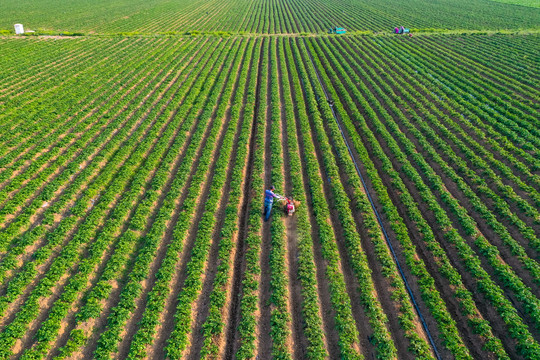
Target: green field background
<point>262,16</point>
<point>531,3</point>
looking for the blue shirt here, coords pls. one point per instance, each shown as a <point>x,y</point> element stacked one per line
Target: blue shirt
<point>269,196</point>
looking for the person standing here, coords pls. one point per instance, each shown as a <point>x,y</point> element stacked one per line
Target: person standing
<point>269,196</point>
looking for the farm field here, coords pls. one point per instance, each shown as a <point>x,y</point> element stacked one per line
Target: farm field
<point>266,16</point>
<point>133,169</point>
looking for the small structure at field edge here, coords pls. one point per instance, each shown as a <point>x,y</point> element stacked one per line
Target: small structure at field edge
<point>337,30</point>
<point>19,29</point>
<point>401,30</point>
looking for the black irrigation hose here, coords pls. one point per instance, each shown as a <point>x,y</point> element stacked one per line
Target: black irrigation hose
<point>331,104</point>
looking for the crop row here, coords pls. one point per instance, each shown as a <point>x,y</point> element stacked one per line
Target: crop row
<point>279,281</point>
<point>154,239</point>
<point>120,248</point>
<point>130,216</point>
<point>77,179</point>
<point>311,307</point>
<point>487,104</point>
<point>102,208</point>
<point>491,290</point>
<point>271,16</point>
<point>480,184</point>
<point>247,325</point>
<point>429,292</point>
<point>348,333</point>
<point>195,266</point>
<point>94,188</point>
<point>215,323</point>
<point>52,145</point>
<point>173,144</point>
<point>374,233</point>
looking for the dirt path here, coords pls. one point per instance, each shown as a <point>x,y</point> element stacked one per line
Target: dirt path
<point>328,313</point>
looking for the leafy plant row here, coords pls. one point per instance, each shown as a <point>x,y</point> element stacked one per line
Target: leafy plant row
<point>214,324</point>
<point>40,125</point>
<point>518,330</point>
<point>341,303</point>
<point>503,271</point>
<point>477,204</point>
<point>358,130</point>
<point>173,141</point>
<point>273,16</point>
<point>178,339</point>
<point>358,259</point>
<point>500,205</point>
<point>121,313</point>
<point>48,331</point>
<point>68,257</point>
<point>88,228</point>
<point>496,140</point>
<point>499,94</point>
<point>311,307</point>
<point>247,327</point>
<point>280,318</point>
<point>220,93</point>
<point>98,134</point>
<point>504,86</point>
<point>56,237</point>
<point>484,104</point>
<point>53,239</point>
<point>25,96</point>
<point>475,160</point>
<point>38,114</point>
<point>500,135</point>
<point>369,222</point>
<point>502,53</point>
<point>27,139</point>
<point>21,63</point>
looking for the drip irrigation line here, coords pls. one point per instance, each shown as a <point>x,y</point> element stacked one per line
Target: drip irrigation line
<point>379,219</point>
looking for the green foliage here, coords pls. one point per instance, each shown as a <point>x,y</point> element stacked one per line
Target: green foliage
<point>531,3</point>
<point>126,140</point>
<point>261,16</point>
